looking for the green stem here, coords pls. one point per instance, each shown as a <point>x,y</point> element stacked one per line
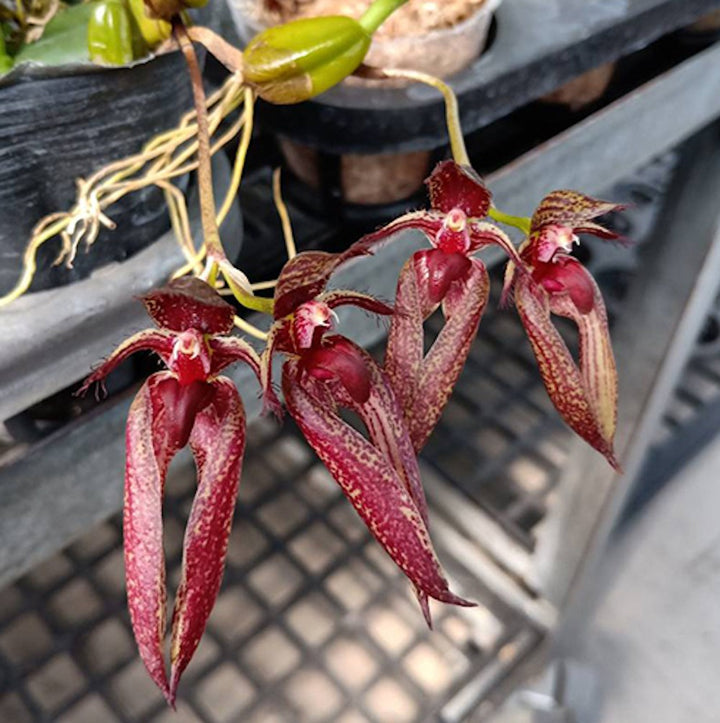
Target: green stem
<point>378,13</point>
<point>521,222</point>
<point>457,141</point>
<point>452,112</point>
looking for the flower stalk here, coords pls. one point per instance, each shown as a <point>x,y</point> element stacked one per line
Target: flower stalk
<point>204,171</point>
<point>378,13</point>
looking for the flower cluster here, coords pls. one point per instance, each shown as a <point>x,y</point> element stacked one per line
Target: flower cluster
<point>324,374</point>
<point>399,401</point>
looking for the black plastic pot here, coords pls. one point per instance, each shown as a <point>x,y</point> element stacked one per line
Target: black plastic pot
<point>61,123</point>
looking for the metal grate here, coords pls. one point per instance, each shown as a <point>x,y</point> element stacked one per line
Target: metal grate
<point>500,441</point>
<point>313,622</point>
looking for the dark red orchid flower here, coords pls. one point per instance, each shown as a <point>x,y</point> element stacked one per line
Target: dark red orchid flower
<point>446,275</point>
<point>186,404</point>
<point>326,372</point>
<point>550,281</point>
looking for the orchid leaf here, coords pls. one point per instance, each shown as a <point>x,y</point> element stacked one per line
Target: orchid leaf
<point>64,40</point>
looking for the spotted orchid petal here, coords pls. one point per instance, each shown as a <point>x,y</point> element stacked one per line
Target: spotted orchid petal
<point>586,398</point>
<point>575,211</point>
<point>452,186</point>
<point>511,271</point>
<point>301,279</point>
<point>380,412</point>
<point>424,382</point>
<point>484,234</point>
<point>368,478</point>
<point>230,349</point>
<point>156,340</point>
<point>428,222</point>
<point>343,297</point>
<point>217,441</point>
<point>278,340</point>
<point>159,425</point>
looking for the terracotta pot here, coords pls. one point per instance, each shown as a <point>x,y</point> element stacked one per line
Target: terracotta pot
<point>709,23</point>
<point>365,179</point>
<point>580,92</point>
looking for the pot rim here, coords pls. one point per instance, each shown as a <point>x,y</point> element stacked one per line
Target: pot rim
<point>487,8</point>
<point>32,70</point>
<point>254,26</point>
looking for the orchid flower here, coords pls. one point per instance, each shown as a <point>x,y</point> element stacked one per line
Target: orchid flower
<point>550,281</point>
<point>446,275</point>
<point>324,372</point>
<point>186,404</point>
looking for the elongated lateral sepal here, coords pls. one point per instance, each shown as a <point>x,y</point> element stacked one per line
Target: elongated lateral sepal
<point>565,384</point>
<point>424,382</point>
<point>159,424</point>
<point>370,482</point>
<point>218,443</point>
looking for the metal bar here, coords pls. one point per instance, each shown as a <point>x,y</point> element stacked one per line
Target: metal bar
<point>654,338</point>
<point>664,463</point>
<point>604,148</point>
<point>539,45</point>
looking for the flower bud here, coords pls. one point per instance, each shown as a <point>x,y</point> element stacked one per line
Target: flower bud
<point>110,39</point>
<point>153,31</point>
<point>301,59</point>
